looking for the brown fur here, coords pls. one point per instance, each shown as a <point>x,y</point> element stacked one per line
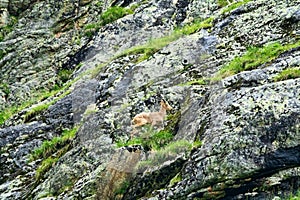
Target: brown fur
<point>152,118</point>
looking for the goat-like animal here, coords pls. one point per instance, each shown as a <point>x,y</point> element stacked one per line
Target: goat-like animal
<point>152,118</point>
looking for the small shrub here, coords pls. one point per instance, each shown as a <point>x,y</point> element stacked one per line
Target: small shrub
<point>173,120</point>
<point>159,140</point>
<point>64,75</point>
<point>289,73</point>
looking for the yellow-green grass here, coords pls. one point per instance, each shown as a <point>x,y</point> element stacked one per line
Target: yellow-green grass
<point>254,57</point>
<point>289,73</point>
<point>151,140</point>
<point>232,6</point>
<point>45,166</point>
<point>49,147</point>
<point>109,16</point>
<point>154,45</point>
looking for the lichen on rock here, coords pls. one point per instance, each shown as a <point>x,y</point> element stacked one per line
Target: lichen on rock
<point>69,65</point>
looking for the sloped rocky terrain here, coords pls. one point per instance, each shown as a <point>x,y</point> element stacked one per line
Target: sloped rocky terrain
<point>75,73</point>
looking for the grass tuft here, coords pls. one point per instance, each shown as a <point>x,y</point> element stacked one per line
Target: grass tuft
<point>109,16</point>
<point>254,57</point>
<point>195,82</point>
<point>114,13</point>
<point>195,26</point>
<point>64,75</point>
<point>44,167</point>
<point>154,45</point>
<point>231,6</point>
<point>122,187</point>
<point>290,73</point>
<point>223,3</point>
<point>38,96</point>
<point>175,180</point>
<point>49,147</point>
<point>150,140</point>
<point>295,196</point>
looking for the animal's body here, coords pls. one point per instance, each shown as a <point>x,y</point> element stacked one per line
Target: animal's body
<point>152,118</point>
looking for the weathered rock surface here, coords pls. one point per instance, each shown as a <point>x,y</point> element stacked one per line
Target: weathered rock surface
<point>248,123</point>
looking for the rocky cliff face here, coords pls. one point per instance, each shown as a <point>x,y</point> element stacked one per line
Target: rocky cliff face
<point>75,73</point>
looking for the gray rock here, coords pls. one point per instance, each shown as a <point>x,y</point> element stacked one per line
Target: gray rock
<point>248,123</point>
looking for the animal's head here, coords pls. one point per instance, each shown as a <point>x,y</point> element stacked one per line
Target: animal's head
<point>165,105</point>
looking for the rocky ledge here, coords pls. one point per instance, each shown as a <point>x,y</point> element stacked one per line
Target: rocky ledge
<point>74,74</point>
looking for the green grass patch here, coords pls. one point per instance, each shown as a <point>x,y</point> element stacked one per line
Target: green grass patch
<point>197,144</point>
<point>223,3</point>
<point>151,47</point>
<point>175,180</point>
<point>154,45</point>
<point>231,6</point>
<point>44,167</point>
<point>290,73</point>
<point>109,16</point>
<point>38,96</point>
<point>254,57</point>
<point>150,139</point>
<point>90,29</point>
<point>122,188</point>
<point>195,26</point>
<point>49,162</point>
<point>49,147</point>
<point>294,196</point>
<point>2,54</point>
<point>64,75</point>
<point>114,13</point>
<point>35,111</point>
<point>7,113</point>
<point>41,108</point>
<point>195,82</point>
<point>95,71</point>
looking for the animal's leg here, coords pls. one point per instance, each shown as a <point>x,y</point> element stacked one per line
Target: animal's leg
<point>133,132</point>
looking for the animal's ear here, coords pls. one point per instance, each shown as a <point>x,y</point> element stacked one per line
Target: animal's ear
<point>163,101</point>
